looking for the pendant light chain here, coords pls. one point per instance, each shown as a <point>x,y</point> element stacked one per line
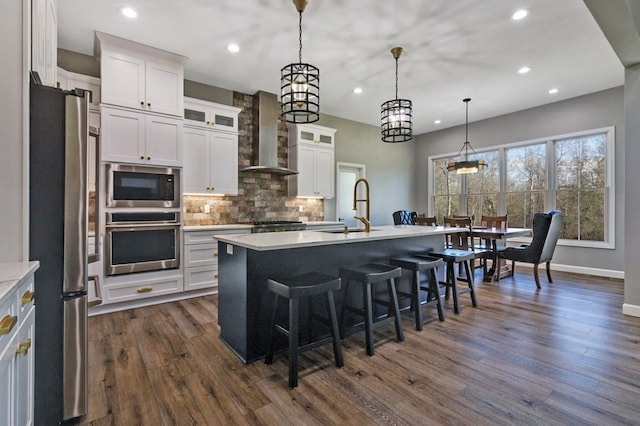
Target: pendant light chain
<point>300,38</point>
<point>396,78</point>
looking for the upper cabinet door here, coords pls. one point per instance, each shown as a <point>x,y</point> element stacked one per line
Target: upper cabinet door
<point>164,88</point>
<point>123,80</point>
<point>44,40</point>
<point>163,140</point>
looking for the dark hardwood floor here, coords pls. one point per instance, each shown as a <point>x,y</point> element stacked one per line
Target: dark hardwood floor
<point>561,355</point>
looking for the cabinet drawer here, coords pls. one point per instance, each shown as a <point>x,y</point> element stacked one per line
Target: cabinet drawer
<point>142,290</point>
<point>201,255</point>
<point>199,237</point>
<point>200,277</point>
<point>25,300</point>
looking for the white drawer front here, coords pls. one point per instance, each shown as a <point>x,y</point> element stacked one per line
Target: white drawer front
<point>141,290</point>
<point>201,255</point>
<point>198,237</point>
<point>200,277</point>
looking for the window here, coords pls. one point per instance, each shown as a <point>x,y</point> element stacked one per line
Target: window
<point>572,173</point>
<point>526,168</point>
<point>483,187</point>
<point>581,186</point>
<point>446,190</point>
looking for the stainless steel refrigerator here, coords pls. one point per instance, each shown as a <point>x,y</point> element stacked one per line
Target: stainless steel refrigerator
<point>58,208</point>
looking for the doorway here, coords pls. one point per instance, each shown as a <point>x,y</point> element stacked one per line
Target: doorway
<point>348,174</point>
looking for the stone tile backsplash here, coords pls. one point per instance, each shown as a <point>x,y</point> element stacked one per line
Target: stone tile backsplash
<point>261,196</point>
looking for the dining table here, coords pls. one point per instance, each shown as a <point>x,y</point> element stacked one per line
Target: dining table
<point>499,268</point>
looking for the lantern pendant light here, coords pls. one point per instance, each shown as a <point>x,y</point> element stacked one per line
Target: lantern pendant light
<point>300,84</point>
<point>396,114</point>
<point>466,166</point>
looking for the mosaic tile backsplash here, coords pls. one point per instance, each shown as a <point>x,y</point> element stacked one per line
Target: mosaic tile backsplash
<point>261,196</point>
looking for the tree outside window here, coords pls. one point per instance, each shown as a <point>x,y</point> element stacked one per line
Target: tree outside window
<point>446,190</point>
<point>526,178</point>
<point>483,187</point>
<point>581,186</point>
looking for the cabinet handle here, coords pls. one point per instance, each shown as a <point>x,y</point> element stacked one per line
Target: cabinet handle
<point>27,297</point>
<point>208,122</point>
<point>215,276</point>
<point>142,157</point>
<point>149,104</point>
<point>7,324</point>
<point>215,254</point>
<point>23,348</point>
<point>141,103</point>
<point>149,158</point>
<point>145,289</point>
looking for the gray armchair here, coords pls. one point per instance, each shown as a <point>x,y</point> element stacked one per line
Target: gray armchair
<point>546,230</point>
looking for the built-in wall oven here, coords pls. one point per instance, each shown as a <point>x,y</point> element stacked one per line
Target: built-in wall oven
<point>142,241</point>
<point>142,186</point>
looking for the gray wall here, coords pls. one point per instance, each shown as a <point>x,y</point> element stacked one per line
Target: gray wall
<point>389,167</point>
<point>632,175</point>
<point>592,111</point>
<point>13,121</point>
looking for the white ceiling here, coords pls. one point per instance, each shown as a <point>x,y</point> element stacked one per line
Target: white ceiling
<point>452,49</point>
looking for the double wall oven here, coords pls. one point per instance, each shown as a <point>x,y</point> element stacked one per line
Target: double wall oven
<point>143,219</point>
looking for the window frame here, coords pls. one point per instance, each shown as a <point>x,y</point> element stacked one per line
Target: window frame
<point>550,191</point>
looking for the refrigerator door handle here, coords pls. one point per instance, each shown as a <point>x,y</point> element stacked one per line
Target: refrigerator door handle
<point>75,347</point>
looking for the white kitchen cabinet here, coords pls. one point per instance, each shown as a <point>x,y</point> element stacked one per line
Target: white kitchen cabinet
<point>201,257</point>
<point>44,40</point>
<point>17,324</point>
<point>199,113</point>
<point>140,138</point>
<point>311,153</point>
<point>140,77</point>
<point>210,162</point>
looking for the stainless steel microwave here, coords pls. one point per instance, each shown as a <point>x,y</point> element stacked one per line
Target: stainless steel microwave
<point>142,186</point>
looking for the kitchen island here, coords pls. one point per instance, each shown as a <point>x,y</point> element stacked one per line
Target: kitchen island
<point>246,261</point>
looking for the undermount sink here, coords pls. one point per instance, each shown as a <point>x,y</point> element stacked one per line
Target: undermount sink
<point>350,231</point>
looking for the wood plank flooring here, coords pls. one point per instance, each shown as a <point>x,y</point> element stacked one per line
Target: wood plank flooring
<point>561,355</point>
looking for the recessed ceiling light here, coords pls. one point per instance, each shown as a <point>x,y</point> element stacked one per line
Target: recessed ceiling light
<point>357,90</point>
<point>436,122</point>
<point>519,14</point>
<point>129,12</point>
<point>553,91</point>
<point>524,70</point>
<point>234,48</point>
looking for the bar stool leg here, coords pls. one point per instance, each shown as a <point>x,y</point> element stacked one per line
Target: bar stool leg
<point>454,288</point>
<point>469,272</point>
<point>368,321</point>
<point>396,310</point>
<point>415,300</point>
<point>268,359</point>
<point>433,289</point>
<point>335,333</point>
<point>293,343</point>
<point>343,309</point>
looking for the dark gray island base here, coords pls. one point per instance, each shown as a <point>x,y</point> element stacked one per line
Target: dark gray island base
<point>244,303</point>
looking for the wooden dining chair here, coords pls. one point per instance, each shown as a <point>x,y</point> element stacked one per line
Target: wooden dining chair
<point>426,220</point>
<point>498,222</point>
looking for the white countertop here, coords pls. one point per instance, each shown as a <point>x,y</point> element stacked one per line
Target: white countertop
<point>12,272</point>
<point>297,239</point>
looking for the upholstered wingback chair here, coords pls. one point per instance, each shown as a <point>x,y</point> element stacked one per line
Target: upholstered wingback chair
<point>546,230</point>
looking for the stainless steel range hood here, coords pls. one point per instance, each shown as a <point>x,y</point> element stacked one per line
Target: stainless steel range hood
<point>265,136</point>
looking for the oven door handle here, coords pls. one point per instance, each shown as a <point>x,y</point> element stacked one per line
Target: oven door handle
<point>156,225</point>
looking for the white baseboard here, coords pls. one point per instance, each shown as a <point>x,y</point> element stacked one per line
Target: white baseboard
<point>633,310</point>
<point>583,270</point>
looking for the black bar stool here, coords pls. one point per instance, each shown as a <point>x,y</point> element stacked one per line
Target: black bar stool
<point>293,289</point>
<point>368,275</point>
<point>417,264</point>
<point>451,258</point>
